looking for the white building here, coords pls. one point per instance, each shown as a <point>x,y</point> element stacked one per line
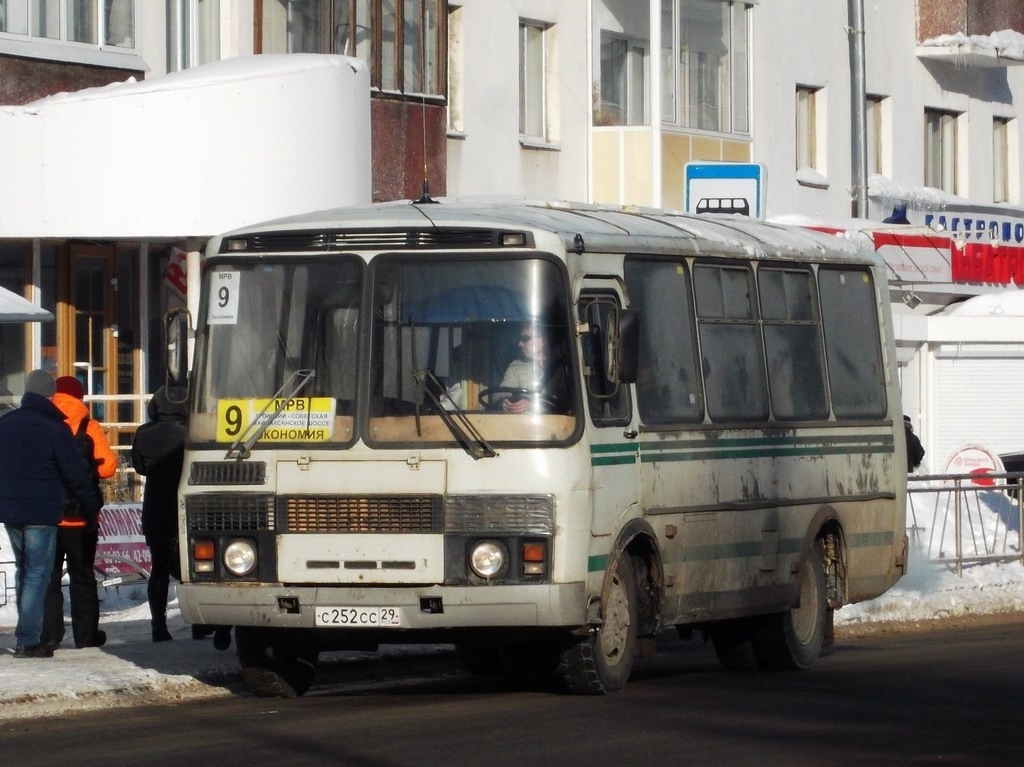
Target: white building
<point>594,100</point>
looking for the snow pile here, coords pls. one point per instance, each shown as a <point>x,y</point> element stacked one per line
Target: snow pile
<point>1005,43</point>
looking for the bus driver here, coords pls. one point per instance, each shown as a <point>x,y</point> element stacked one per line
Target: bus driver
<point>528,384</point>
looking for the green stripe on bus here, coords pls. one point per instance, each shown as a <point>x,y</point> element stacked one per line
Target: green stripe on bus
<point>876,538</point>
<point>616,460</point>
<point>597,563</point>
<point>611,454</point>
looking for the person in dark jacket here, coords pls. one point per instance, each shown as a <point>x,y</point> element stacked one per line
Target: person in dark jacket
<point>41,462</point>
<point>158,452</point>
<point>915,450</point>
<point>78,534</point>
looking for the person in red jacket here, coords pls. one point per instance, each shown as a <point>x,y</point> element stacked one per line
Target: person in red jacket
<point>78,533</point>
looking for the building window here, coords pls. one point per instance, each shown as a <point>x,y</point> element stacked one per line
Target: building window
<point>456,124</point>
<point>1001,160</point>
<point>193,33</point>
<point>92,22</point>
<point>807,128</point>
<point>875,138</point>
<point>533,43</point>
<point>400,40</point>
<point>940,149</point>
<point>706,65</point>
<point>621,99</point>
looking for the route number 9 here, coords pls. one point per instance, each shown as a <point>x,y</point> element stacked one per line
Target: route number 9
<point>233,420</point>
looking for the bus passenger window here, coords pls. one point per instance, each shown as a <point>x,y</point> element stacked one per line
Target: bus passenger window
<point>730,339</point>
<point>668,387</point>
<point>792,340</point>
<point>852,348</point>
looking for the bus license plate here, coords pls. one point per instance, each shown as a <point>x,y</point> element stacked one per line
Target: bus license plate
<point>358,617</point>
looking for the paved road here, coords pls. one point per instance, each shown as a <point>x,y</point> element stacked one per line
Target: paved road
<point>942,697</point>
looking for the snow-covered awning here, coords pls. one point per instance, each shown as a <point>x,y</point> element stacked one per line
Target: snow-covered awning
<point>14,308</point>
<point>189,154</point>
<point>1000,49</point>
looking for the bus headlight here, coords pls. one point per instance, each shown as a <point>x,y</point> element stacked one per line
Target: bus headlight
<point>240,557</point>
<point>488,559</point>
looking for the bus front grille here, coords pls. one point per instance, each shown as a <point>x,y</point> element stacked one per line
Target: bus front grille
<point>228,473</point>
<point>359,514</point>
<point>229,511</point>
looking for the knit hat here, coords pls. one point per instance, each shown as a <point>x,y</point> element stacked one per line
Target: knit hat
<point>71,386</point>
<point>40,382</point>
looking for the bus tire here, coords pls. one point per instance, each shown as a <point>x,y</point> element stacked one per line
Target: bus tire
<point>793,640</point>
<point>602,662</point>
<point>275,664</point>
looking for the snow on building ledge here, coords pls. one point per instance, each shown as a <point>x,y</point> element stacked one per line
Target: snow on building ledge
<point>1000,49</point>
<point>189,154</point>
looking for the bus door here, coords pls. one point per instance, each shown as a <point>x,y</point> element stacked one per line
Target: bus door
<point>677,486</point>
<point>612,426</point>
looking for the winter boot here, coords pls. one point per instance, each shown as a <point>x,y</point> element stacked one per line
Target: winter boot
<point>160,632</point>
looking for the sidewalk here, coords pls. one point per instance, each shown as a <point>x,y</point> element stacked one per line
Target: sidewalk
<point>129,670</point>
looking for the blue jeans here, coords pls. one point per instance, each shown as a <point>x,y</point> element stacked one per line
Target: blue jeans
<point>34,547</point>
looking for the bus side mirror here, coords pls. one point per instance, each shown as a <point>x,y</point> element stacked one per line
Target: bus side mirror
<point>176,327</point>
<point>629,345</point>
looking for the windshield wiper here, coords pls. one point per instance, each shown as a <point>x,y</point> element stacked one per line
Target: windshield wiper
<point>242,447</point>
<point>454,417</point>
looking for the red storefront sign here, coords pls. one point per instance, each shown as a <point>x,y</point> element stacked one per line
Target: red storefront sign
<point>982,262</point>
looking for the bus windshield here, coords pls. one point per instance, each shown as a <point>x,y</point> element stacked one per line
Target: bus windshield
<point>486,339</point>
<point>266,324</point>
<point>456,346</point>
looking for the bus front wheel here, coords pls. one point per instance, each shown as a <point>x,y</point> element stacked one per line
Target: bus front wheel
<point>602,662</point>
<point>275,663</point>
<point>793,640</point>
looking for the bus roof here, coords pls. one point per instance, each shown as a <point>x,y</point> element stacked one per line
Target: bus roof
<point>603,228</point>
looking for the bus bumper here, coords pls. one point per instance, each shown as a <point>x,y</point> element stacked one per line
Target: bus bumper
<point>419,608</point>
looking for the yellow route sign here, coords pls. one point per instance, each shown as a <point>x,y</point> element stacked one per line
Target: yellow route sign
<point>303,419</point>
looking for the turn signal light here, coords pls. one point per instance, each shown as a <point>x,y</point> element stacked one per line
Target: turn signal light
<point>534,556</point>
<point>202,555</point>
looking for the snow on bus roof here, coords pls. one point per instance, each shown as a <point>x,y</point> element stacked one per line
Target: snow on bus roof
<point>600,225</point>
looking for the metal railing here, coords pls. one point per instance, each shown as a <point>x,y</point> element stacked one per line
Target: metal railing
<point>964,519</point>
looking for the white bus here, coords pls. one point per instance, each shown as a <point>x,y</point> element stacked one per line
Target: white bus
<point>543,433</point>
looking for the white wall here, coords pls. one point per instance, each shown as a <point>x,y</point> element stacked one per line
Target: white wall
<point>488,159</point>
<point>191,153</point>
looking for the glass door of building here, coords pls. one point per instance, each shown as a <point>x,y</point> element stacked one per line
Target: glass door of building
<point>89,348</point>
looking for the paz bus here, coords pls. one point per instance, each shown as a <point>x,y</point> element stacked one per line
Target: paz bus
<point>711,439</point>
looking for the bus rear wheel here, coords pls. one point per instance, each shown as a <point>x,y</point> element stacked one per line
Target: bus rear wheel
<point>793,640</point>
<point>602,662</point>
<point>276,663</point>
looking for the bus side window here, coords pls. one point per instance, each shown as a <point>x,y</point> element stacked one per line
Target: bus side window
<point>853,350</point>
<point>792,339</point>
<point>668,386</point>
<point>608,401</point>
<point>732,355</point>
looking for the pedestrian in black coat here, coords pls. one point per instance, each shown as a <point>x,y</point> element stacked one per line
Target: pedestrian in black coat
<point>158,452</point>
<point>41,462</point>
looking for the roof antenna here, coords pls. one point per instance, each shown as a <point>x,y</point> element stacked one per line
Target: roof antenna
<point>425,198</point>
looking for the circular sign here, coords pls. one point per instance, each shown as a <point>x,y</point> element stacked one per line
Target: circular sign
<point>979,462</point>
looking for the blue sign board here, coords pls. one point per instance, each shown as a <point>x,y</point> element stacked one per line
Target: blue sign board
<point>725,187</point>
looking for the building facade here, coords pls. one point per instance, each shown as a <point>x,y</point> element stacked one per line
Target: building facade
<point>854,110</point>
